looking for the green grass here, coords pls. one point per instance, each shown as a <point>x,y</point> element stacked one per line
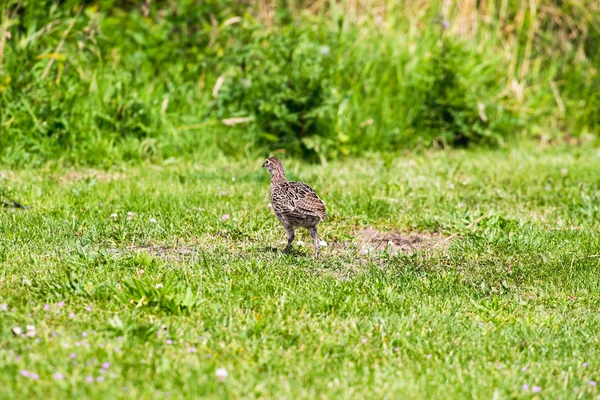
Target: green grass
<point>92,82</point>
<point>509,301</point>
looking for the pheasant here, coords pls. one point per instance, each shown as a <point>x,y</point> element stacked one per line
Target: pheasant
<point>295,203</point>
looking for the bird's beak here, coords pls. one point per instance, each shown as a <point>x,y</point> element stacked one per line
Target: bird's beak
<point>264,165</point>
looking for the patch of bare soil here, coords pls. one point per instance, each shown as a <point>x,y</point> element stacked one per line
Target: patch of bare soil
<point>372,240</point>
<point>369,244</point>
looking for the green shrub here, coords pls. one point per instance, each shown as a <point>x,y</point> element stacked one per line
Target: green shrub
<point>89,82</point>
<point>283,82</point>
<point>453,113</point>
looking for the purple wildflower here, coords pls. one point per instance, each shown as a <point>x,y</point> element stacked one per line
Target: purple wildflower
<point>445,24</point>
<point>523,369</point>
<point>526,387</point>
<point>363,340</point>
<point>35,376</point>
<point>225,216</point>
<point>46,307</point>
<point>584,365</point>
<point>169,341</point>
<point>592,383</point>
<point>72,355</point>
<point>71,315</point>
<point>25,373</point>
<point>102,371</point>
<point>58,376</point>
<point>89,379</point>
<point>88,308</point>
<point>192,349</point>
<point>106,365</point>
<point>100,379</point>
<point>60,303</point>
<point>4,307</point>
<point>117,349</point>
<point>17,358</point>
<point>537,389</point>
<point>84,334</point>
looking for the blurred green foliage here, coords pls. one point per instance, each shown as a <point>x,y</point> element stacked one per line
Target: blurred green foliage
<point>282,81</point>
<point>90,82</point>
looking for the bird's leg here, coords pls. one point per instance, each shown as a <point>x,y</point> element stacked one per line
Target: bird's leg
<point>313,234</point>
<point>290,237</point>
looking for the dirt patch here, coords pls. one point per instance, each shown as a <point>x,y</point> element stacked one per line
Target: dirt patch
<point>372,240</point>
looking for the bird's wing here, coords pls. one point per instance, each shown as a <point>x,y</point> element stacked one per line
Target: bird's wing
<point>302,200</point>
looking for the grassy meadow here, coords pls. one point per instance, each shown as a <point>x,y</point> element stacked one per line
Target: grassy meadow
<point>167,273</point>
<point>455,145</point>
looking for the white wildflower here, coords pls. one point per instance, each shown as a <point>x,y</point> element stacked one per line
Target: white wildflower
<point>221,374</point>
<point>30,330</point>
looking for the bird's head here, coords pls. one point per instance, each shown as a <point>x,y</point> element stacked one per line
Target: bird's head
<point>273,165</point>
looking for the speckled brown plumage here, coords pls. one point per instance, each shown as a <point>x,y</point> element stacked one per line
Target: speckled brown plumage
<point>295,203</point>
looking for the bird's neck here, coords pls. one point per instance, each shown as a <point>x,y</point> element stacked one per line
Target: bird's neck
<point>277,178</point>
